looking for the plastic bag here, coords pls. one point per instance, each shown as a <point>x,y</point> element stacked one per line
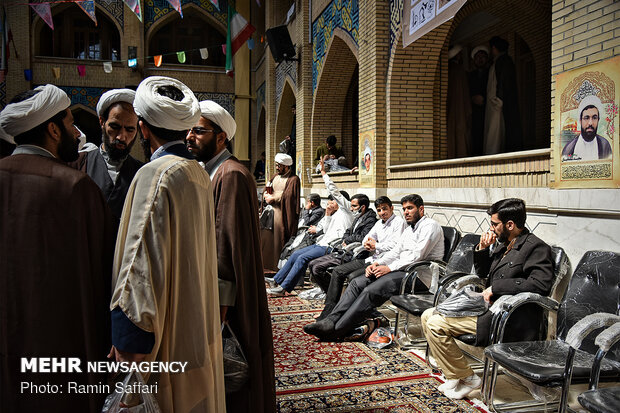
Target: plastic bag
<point>463,303</point>
<point>236,368</point>
<point>146,401</point>
<point>266,218</point>
<point>312,294</point>
<point>382,337</point>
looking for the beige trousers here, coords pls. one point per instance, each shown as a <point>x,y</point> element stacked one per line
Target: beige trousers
<point>439,331</point>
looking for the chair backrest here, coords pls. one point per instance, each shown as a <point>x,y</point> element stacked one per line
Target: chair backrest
<point>561,272</point>
<point>462,258</point>
<point>451,237</point>
<point>593,288</point>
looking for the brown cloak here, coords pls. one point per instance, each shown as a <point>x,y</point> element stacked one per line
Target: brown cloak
<point>239,261</point>
<point>286,217</point>
<point>56,243</point>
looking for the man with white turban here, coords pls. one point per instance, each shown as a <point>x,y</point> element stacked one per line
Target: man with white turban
<point>588,146</point>
<point>111,166</point>
<point>57,242</point>
<point>282,193</point>
<point>243,302</point>
<point>165,304</point>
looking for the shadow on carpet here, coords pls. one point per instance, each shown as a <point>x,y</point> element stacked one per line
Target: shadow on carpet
<point>313,376</point>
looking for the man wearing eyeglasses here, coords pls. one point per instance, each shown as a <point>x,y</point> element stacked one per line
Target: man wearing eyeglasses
<point>243,301</point>
<point>588,146</point>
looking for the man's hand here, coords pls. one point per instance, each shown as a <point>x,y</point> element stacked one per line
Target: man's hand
<point>487,294</point>
<point>377,270</point>
<point>268,198</point>
<point>287,138</point>
<point>119,355</point>
<point>323,171</point>
<point>312,229</point>
<point>370,269</point>
<point>487,239</point>
<point>370,244</point>
<point>331,208</point>
<point>223,311</point>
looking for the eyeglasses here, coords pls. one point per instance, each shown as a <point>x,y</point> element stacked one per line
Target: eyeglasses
<point>197,130</point>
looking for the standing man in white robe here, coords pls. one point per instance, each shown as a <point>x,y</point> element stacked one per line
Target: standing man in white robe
<point>165,304</point>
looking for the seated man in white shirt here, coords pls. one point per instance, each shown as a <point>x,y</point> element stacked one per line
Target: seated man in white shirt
<point>381,238</point>
<point>423,240</point>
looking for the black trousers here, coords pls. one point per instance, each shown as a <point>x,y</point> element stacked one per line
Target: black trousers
<point>339,275</point>
<point>362,297</point>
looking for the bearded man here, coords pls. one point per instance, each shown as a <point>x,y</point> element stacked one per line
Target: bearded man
<point>588,146</point>
<point>56,239</point>
<point>243,301</point>
<point>111,166</point>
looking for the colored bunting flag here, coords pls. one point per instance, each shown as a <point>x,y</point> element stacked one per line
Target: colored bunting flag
<point>89,8</point>
<point>132,62</point>
<point>107,67</point>
<point>45,12</point>
<point>181,57</point>
<point>28,74</point>
<point>81,70</point>
<point>204,53</point>
<point>134,5</point>
<point>157,60</point>
<point>250,43</point>
<point>239,30</point>
<point>56,72</point>
<point>176,4</point>
<point>216,3</point>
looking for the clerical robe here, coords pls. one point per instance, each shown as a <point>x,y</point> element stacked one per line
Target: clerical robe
<point>165,278</point>
<point>286,209</point>
<point>239,262</point>
<point>56,246</point>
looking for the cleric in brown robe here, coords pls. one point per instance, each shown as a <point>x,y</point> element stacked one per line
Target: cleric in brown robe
<point>243,301</point>
<point>285,202</point>
<point>56,244</point>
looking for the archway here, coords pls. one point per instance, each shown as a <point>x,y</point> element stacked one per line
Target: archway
<point>88,122</point>
<point>259,142</point>
<point>336,100</point>
<point>284,115</point>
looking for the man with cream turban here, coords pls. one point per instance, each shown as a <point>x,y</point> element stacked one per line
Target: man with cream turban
<point>165,304</point>
<point>111,166</point>
<point>243,301</point>
<point>57,242</point>
<point>588,146</point>
<point>284,199</point>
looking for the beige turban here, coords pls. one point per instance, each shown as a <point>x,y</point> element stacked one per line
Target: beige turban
<point>479,49</point>
<point>591,100</point>
<point>112,96</point>
<point>220,116</point>
<point>284,159</point>
<point>20,117</point>
<point>163,112</point>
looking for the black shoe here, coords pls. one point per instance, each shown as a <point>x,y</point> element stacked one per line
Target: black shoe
<point>321,329</point>
<point>326,311</point>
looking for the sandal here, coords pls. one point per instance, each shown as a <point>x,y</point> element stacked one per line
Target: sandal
<point>362,332</point>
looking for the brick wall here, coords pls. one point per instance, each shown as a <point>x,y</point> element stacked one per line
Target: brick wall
<point>583,33</point>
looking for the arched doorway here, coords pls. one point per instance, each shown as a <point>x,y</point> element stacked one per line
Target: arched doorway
<point>88,122</point>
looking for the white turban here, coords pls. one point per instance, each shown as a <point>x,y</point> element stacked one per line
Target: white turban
<point>479,49</point>
<point>220,116</point>
<point>284,159</point>
<point>20,117</point>
<point>591,100</point>
<point>163,112</point>
<point>112,96</point>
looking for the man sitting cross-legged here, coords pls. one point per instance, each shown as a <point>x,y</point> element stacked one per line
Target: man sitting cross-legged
<point>516,261</point>
<point>423,240</point>
<point>381,238</point>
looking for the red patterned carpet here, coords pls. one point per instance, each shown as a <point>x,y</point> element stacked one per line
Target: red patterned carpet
<point>312,376</point>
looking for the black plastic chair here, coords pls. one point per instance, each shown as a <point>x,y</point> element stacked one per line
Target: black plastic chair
<point>458,258</point>
<point>605,400</point>
<point>593,288</point>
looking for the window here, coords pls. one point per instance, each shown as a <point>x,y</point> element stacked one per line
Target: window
<point>189,35</point>
<point>76,36</point>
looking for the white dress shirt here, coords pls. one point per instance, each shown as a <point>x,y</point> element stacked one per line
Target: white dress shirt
<point>338,224</point>
<point>386,234</point>
<point>422,242</point>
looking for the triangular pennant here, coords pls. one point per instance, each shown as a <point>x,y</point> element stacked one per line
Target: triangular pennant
<point>89,8</point>
<point>250,43</point>
<point>107,67</point>
<point>204,53</point>
<point>45,12</point>
<point>28,74</point>
<point>176,4</point>
<point>56,72</point>
<point>181,57</point>
<point>81,70</point>
<point>158,60</point>
<point>216,3</point>
<point>134,5</point>
<point>132,62</point>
